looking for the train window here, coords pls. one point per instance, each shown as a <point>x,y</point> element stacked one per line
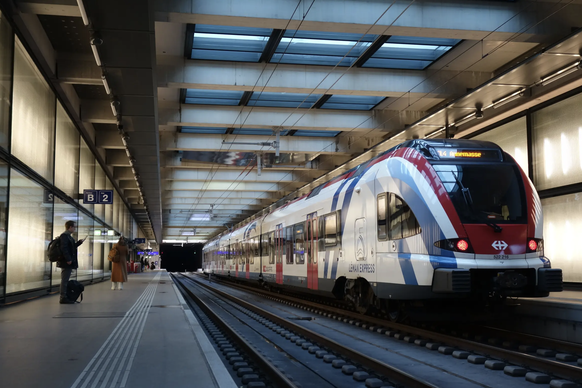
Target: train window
<point>330,229</point>
<point>401,220</point>
<point>272,248</point>
<point>264,245</point>
<point>299,243</point>
<point>256,251</point>
<point>382,230</point>
<point>289,245</point>
<point>485,193</point>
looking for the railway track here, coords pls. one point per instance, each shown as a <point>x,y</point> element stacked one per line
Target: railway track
<point>361,369</point>
<point>540,360</point>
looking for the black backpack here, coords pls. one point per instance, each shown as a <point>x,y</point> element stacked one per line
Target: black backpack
<point>54,252</point>
<point>74,290</point>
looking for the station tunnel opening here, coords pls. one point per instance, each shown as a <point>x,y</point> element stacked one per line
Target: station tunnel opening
<point>181,258</point>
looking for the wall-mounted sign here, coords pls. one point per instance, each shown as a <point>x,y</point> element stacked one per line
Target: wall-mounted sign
<point>139,240</point>
<point>47,197</point>
<point>104,197</point>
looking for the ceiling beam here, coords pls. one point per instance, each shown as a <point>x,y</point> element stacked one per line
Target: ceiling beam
<point>458,19</point>
<point>287,144</point>
<point>174,72</point>
<point>249,176</point>
<point>232,186</point>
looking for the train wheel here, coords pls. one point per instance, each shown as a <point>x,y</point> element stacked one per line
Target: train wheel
<point>394,310</point>
<point>361,296</point>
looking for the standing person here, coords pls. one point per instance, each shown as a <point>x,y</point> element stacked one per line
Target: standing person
<point>69,259</point>
<point>119,267</point>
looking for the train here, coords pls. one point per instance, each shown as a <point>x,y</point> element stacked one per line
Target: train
<point>429,219</point>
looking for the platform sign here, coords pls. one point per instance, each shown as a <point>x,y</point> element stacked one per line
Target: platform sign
<point>89,196</point>
<point>47,197</point>
<point>139,240</point>
<point>105,197</point>
<point>153,253</point>
<point>140,253</point>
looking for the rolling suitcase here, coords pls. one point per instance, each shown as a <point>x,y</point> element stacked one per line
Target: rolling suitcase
<point>74,290</point>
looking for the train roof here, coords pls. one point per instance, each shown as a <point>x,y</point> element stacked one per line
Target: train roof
<point>427,147</point>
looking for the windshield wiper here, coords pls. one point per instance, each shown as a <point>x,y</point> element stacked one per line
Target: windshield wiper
<point>469,201</point>
<point>466,193</point>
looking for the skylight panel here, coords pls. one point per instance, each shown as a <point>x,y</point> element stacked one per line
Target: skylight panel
<point>321,48</point>
<point>351,102</point>
<point>253,131</point>
<point>283,100</point>
<point>203,130</point>
<point>316,133</point>
<point>226,43</point>
<point>404,52</point>
<point>212,97</point>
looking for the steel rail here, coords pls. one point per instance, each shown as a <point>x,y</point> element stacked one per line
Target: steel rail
<point>558,369</point>
<point>394,374</point>
<point>276,376</point>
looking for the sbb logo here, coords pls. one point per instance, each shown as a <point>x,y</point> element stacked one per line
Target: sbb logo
<point>499,245</point>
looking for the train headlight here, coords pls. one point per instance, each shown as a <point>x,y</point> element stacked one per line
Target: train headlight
<point>535,245</point>
<point>455,244</point>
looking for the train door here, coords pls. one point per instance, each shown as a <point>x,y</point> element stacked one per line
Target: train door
<point>311,248</point>
<point>279,246</point>
<point>236,255</point>
<point>247,256</point>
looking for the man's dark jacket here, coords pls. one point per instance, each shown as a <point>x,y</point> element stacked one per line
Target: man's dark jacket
<point>69,250</point>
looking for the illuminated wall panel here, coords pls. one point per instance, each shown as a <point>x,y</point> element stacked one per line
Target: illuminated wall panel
<point>557,144</point>
<point>86,172</point>
<point>33,116</point>
<point>512,138</point>
<point>30,221</point>
<point>67,154</point>
<point>562,226</point>
<point>6,43</point>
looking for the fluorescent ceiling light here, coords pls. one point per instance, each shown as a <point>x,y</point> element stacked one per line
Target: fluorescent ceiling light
<point>106,85</point>
<point>434,133</point>
<point>561,73</point>
<point>512,97</point>
<point>200,217</point>
<point>225,36</point>
<point>96,55</point>
<point>83,12</point>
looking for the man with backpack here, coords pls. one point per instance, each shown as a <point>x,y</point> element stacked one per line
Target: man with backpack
<point>68,261</point>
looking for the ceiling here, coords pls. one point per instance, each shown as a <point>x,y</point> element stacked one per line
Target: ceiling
<point>213,129</point>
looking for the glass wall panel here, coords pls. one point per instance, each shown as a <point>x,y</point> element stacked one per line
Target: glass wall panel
<point>512,138</point>
<point>99,185</point>
<point>30,223</point>
<point>108,208</point>
<point>98,247</point>
<point>3,200</point>
<point>562,223</point>
<point>87,172</point>
<point>557,144</point>
<point>116,211</point>
<point>66,154</point>
<point>63,212</point>
<point>33,116</point>
<point>85,250</point>
<point>6,42</point>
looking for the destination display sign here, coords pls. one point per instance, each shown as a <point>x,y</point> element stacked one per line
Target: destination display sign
<point>459,153</point>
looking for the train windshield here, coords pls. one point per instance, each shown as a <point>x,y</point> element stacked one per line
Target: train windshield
<point>485,193</point>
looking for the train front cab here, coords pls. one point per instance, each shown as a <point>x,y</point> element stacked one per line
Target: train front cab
<point>499,247</point>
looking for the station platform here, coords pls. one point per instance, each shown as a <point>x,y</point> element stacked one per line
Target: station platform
<point>142,336</point>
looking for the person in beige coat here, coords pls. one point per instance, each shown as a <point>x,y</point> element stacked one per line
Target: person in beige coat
<point>119,265</point>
